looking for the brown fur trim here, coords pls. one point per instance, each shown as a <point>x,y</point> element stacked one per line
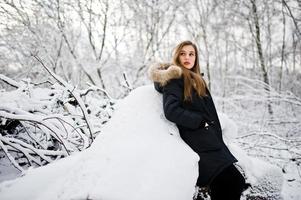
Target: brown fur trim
<point>163,72</point>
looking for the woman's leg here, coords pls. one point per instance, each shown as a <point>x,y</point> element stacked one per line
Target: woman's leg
<point>229,184</point>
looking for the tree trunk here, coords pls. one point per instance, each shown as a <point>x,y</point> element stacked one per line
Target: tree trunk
<point>282,49</point>
<point>259,51</point>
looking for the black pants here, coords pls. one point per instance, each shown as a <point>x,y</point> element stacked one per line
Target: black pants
<point>229,184</point>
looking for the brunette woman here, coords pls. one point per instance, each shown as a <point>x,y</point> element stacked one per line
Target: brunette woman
<point>187,102</point>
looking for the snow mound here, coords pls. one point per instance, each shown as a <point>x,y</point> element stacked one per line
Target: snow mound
<point>138,155</point>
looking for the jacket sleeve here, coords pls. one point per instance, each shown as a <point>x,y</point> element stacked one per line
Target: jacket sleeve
<point>173,109</point>
<point>158,87</point>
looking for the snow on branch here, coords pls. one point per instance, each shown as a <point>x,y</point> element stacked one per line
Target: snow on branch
<point>9,156</point>
<point>276,136</point>
<point>39,125</point>
<point>96,88</point>
<point>72,91</point>
<point>54,131</point>
<point>9,81</point>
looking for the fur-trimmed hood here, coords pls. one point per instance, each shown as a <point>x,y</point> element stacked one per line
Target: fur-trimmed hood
<point>163,72</point>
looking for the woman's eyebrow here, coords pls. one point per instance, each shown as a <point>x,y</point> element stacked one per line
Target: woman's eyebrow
<point>186,51</point>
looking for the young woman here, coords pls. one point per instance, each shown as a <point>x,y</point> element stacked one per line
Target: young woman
<point>188,103</point>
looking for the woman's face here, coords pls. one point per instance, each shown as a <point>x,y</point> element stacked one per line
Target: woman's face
<point>187,56</point>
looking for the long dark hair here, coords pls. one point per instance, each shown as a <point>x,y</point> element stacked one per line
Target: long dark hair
<point>192,77</point>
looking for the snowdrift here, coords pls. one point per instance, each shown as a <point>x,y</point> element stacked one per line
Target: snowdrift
<point>138,155</point>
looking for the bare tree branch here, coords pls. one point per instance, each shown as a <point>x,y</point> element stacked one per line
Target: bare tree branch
<point>74,94</point>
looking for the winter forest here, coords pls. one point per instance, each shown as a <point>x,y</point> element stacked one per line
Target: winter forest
<point>66,64</point>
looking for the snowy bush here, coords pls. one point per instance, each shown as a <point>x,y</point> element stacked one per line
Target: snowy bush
<point>40,123</point>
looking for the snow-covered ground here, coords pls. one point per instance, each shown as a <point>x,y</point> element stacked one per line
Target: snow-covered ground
<point>138,155</point>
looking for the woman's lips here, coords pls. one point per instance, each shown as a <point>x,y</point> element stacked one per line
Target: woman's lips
<point>186,63</point>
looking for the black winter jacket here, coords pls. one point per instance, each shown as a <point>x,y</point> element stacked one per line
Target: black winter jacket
<point>197,122</point>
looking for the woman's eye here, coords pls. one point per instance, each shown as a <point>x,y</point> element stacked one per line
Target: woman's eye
<point>182,54</point>
<point>191,54</point>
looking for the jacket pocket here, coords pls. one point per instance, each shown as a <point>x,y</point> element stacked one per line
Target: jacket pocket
<point>202,139</point>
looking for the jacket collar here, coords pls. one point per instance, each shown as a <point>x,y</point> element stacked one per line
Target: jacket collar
<point>163,72</point>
